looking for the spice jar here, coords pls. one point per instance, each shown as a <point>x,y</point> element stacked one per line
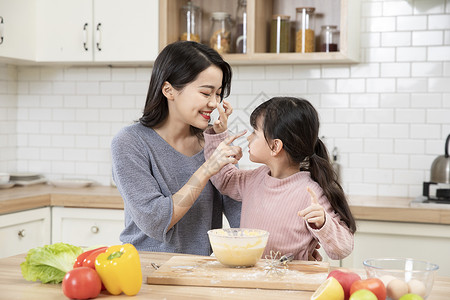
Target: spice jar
<point>305,38</point>
<point>220,36</point>
<point>190,23</point>
<point>279,34</point>
<point>240,33</point>
<point>329,38</point>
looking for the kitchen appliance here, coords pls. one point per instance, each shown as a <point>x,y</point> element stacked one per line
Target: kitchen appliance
<point>438,189</point>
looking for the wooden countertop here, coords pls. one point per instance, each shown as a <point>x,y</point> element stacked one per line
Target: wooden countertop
<point>363,207</point>
<point>14,286</point>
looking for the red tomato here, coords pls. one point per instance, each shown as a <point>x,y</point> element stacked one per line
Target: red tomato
<point>374,285</point>
<point>81,283</point>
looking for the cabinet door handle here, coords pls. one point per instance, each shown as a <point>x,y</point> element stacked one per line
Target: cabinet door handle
<point>21,233</point>
<point>86,36</point>
<point>95,229</point>
<point>1,30</point>
<point>99,37</point>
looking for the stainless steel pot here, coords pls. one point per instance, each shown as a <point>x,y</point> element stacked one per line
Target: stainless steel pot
<point>440,169</point>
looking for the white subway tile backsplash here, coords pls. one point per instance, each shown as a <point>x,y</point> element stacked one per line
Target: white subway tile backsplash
<point>334,100</point>
<point>397,190</point>
<point>439,53</point>
<point>63,141</point>
<point>393,161</point>
<point>427,38</point>
<point>75,101</point>
<point>394,130</point>
<point>425,131</point>
<point>63,114</point>
<point>76,74</point>
<point>364,100</point>
<point>123,74</point>
<point>371,9</point>
<point>395,69</point>
<point>265,86</point>
<point>440,116</point>
<point>74,154</point>
<point>321,86</point>
<point>278,72</point>
<point>363,131</point>
<point>334,130</point>
<point>349,116</point>
<point>363,160</point>
<point>407,146</point>
<point>422,69</point>
<point>408,116</point>
<point>439,84</point>
<point>447,37</point>
<point>87,88</point>
<point>365,70</point>
<point>408,176</point>
<point>251,72</point>
<point>397,8</point>
<point>350,85</point>
<point>412,85</point>
<point>74,128</point>
<point>380,24</point>
<point>99,74</point>
<point>410,23</point>
<point>378,145</point>
<point>290,87</point>
<point>380,85</point>
<point>306,71</point>
<point>439,21</point>
<point>335,71</point>
<point>382,115</point>
<point>428,100</point>
<point>370,39</point>
<point>363,189</point>
<point>393,39</point>
<point>427,7</point>
<point>380,54</point>
<point>378,176</point>
<point>85,115</point>
<point>111,88</point>
<point>411,54</point>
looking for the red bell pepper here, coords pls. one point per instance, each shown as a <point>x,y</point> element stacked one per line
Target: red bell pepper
<point>82,257</point>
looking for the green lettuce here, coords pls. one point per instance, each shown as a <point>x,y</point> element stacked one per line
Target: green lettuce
<point>50,263</point>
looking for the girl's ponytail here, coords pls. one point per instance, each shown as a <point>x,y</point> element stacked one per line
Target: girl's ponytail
<point>323,173</point>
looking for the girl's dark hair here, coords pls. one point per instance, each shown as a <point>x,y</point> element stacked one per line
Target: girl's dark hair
<point>296,123</point>
<point>179,64</point>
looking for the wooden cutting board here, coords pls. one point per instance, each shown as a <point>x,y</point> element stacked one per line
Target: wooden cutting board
<point>207,271</point>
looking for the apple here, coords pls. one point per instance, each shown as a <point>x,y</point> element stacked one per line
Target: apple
<point>375,285</point>
<point>345,278</point>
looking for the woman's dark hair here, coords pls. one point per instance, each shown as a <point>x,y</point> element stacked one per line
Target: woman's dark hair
<point>179,64</point>
<point>296,123</point>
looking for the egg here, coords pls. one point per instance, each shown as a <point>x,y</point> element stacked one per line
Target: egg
<point>417,287</point>
<point>386,279</point>
<point>396,288</point>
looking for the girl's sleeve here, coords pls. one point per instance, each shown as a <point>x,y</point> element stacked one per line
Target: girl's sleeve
<point>149,208</point>
<point>230,180</point>
<point>334,236</point>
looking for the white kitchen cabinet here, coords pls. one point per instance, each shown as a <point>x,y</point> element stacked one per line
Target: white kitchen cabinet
<point>376,239</point>
<point>17,34</point>
<point>97,30</point>
<point>87,226</point>
<point>21,231</point>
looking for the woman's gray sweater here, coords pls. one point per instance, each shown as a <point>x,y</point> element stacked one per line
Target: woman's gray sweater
<point>147,172</point>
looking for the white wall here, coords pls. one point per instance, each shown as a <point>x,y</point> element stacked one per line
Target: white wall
<point>388,115</point>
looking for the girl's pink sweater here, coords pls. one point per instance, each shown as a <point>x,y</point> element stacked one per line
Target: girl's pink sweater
<point>272,204</point>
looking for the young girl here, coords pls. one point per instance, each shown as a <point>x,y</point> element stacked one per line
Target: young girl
<point>280,196</point>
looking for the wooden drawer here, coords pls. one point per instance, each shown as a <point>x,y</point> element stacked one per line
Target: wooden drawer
<point>24,230</point>
<point>87,226</point>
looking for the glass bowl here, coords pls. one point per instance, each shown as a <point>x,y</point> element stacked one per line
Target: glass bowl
<point>405,269</point>
<point>238,247</point>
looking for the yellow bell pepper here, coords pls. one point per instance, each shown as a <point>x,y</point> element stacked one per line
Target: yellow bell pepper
<point>120,269</point>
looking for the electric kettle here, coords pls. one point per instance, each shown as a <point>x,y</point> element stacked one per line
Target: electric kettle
<point>440,168</point>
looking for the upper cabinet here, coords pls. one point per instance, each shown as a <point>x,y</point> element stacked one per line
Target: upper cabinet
<point>97,30</point>
<point>17,38</point>
<point>345,14</point>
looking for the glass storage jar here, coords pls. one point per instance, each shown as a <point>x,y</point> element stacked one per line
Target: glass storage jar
<point>240,32</point>
<point>220,34</point>
<point>329,38</point>
<point>190,22</point>
<point>305,37</point>
<point>280,33</point>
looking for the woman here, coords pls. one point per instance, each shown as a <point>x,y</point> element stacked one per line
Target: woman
<point>158,163</point>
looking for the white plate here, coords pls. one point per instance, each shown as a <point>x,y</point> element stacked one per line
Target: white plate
<point>7,185</point>
<point>72,183</point>
<point>25,176</point>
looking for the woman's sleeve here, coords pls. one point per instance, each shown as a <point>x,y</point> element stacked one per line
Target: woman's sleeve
<point>334,236</point>
<point>149,208</point>
<point>230,180</point>
<point>232,210</point>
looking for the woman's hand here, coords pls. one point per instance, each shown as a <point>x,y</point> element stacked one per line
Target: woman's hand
<point>313,214</point>
<point>224,154</point>
<point>221,124</point>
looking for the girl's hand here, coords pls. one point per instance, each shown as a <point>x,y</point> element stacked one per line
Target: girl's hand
<point>224,154</point>
<point>221,124</point>
<point>313,214</point>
